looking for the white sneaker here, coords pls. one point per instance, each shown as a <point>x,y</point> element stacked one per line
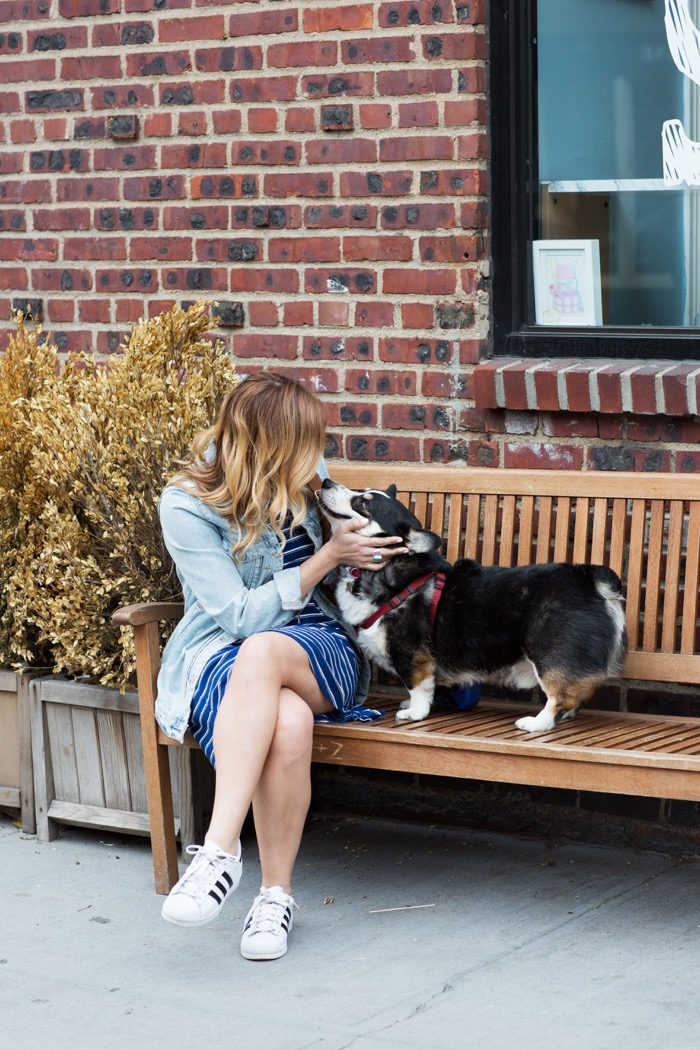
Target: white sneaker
<point>199,895</point>
<point>267,924</point>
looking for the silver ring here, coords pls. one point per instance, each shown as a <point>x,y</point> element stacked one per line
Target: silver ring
<point>377,556</point>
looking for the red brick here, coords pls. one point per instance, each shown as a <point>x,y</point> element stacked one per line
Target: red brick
<point>546,384</point>
<point>341,151</point>
<point>414,12</point>
<point>122,96</point>
<point>300,119</point>
<point>265,345</point>
<point>264,89</point>
<point>306,249</point>
<point>61,310</point>
<point>414,82</point>
<point>417,315</point>
<point>157,125</point>
<point>473,453</point>
<point>14,279</point>
<point>28,69</point>
<point>99,248</point>
<point>609,386</point>
<point>263,313</point>
<point>454,183</point>
<point>418,216</point>
<point>351,414</point>
<point>193,155</point>
<point>228,122</point>
<point>333,315</point>
<point>419,282</point>
<point>455,249</point>
<point>643,385</point>
<point>675,388</point>
<point>263,23</point>
<point>129,310</point>
<point>466,111</point>
<point>374,315</point>
<point>29,249</point>
<point>376,184</point>
<point>562,424</point>
<point>276,153</point>
<point>201,217</point>
<point>377,249</point>
<point>61,279</point>
<point>125,158</point>
<point>167,248</point>
<point>542,456</point>
<point>256,279</point>
<point>340,216</point>
<point>435,147</point>
<point>190,123</point>
<point>22,131</point>
<point>87,8</point>
<point>94,311</point>
<point>211,186</point>
<point>418,115</point>
<point>338,282</point>
<point>375,116</point>
<point>262,121</point>
<point>298,314</point>
<point>14,221</point>
<point>329,19</point>
<point>227,59</point>
<point>305,53</point>
<point>335,348</point>
<point>176,30</point>
<point>370,448</point>
<point>454,47</point>
<point>164,63</point>
<point>444,384</point>
<point>411,350</point>
<point>485,383</point>
<point>373,50</point>
<point>379,381</point>
<point>102,67</point>
<point>299,184</point>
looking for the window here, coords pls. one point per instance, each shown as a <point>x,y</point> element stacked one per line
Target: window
<point>595,111</point>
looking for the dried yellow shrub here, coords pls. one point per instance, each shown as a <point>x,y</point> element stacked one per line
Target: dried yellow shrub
<point>103,442</point>
<point>27,368</point>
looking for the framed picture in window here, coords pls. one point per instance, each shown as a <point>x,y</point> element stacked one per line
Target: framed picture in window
<point>567,283</point>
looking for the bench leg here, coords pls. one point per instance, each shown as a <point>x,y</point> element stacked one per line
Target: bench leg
<point>155,761</point>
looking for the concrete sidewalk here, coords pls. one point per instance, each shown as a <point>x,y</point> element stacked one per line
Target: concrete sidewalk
<point>407,936</point>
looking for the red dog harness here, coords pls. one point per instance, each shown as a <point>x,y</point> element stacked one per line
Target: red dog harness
<point>401,597</point>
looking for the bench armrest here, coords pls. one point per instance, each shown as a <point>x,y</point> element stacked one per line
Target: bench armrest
<point>148,612</point>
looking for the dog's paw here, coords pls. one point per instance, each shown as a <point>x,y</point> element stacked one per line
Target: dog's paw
<point>411,714</point>
<point>534,724</point>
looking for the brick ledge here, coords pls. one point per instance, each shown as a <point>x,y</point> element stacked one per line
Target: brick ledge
<point>657,388</point>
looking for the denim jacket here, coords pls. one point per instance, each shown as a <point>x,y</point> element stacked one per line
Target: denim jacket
<point>225,600</point>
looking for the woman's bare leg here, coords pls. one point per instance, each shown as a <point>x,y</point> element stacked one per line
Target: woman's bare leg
<point>271,671</point>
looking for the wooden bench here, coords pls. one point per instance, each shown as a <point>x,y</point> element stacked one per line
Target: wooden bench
<point>644,526</point>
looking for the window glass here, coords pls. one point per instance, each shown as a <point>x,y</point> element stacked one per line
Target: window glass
<point>618,135</point>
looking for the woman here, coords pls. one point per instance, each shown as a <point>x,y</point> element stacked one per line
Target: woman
<point>260,650</point>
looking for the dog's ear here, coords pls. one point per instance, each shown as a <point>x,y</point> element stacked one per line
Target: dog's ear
<point>421,541</point>
<point>391,491</point>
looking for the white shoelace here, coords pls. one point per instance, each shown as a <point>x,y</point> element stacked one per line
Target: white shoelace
<point>268,913</point>
<point>197,879</point>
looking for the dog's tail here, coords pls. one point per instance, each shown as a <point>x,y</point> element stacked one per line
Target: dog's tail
<point>608,586</point>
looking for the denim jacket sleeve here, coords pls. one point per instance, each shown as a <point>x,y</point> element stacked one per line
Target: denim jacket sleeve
<point>207,569</point>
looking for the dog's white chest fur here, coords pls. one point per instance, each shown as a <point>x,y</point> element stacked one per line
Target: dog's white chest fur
<point>372,640</point>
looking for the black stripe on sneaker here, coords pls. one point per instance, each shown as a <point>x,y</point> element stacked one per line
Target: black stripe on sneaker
<point>225,875</point>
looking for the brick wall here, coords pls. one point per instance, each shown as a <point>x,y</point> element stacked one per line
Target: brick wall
<point>318,169</point>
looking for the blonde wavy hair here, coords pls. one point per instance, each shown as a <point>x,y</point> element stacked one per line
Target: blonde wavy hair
<point>267,441</point>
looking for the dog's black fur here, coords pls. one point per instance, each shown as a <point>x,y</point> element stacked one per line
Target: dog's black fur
<point>560,626</point>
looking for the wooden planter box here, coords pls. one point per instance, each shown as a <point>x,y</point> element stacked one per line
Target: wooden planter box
<point>88,762</point>
<point>16,779</point>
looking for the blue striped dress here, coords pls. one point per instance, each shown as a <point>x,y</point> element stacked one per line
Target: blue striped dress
<point>332,656</point>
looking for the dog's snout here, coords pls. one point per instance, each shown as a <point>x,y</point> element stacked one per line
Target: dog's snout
<point>327,484</point>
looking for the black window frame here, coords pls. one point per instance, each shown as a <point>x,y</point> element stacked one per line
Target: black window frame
<point>514,189</point>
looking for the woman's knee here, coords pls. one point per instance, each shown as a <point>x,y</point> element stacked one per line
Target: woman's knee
<point>265,651</point>
<point>292,739</point>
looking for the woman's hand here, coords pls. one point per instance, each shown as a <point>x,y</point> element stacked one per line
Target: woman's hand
<point>349,548</point>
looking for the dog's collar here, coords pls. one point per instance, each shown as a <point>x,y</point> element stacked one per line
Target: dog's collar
<point>401,597</point>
